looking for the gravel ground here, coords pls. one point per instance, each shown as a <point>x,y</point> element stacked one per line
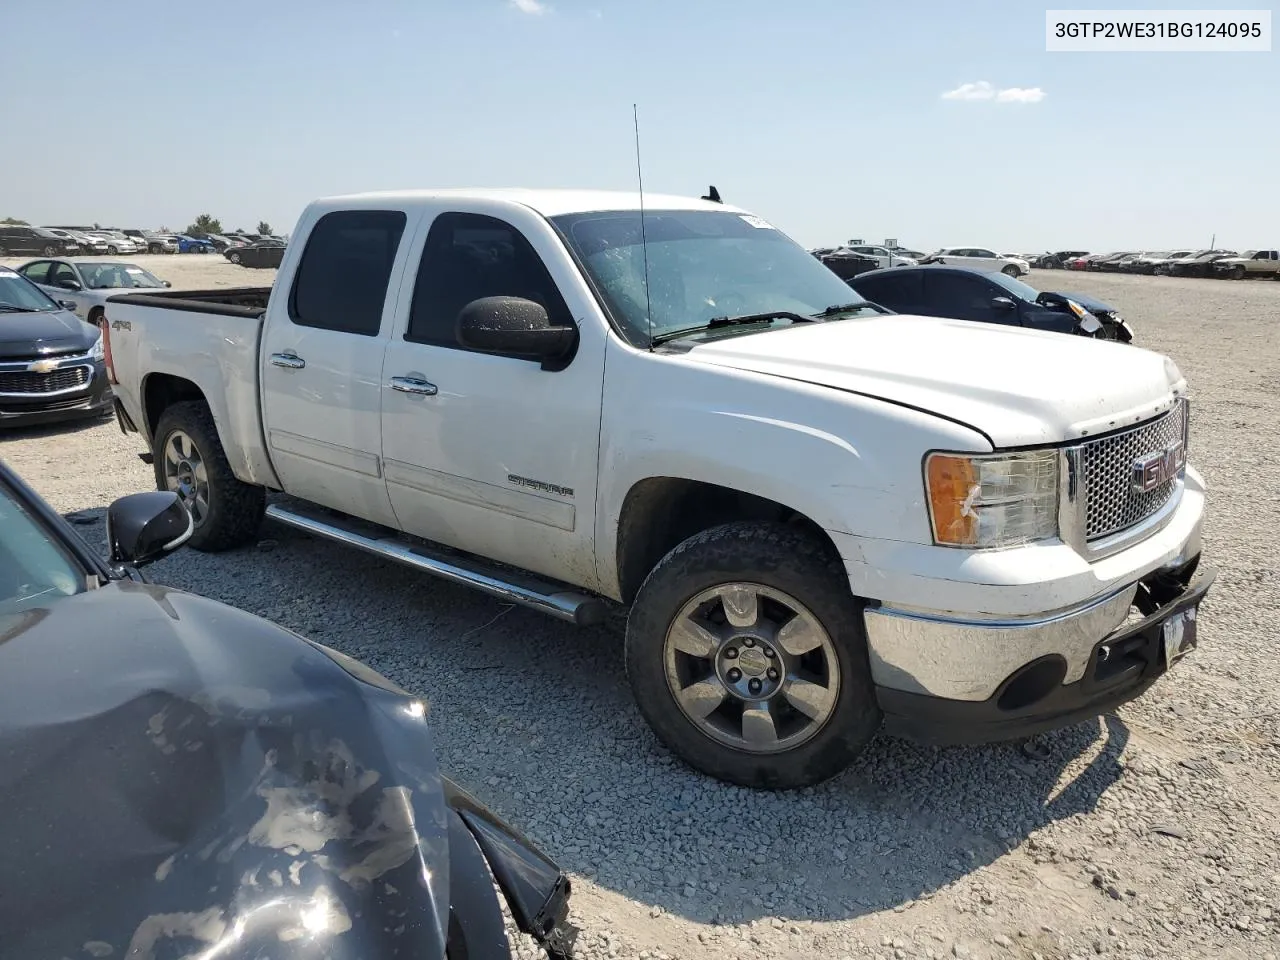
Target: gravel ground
<point>1150,833</point>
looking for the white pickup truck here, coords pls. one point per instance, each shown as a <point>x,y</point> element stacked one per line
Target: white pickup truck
<point>821,516</point>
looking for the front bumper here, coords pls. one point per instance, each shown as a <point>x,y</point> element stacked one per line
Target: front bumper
<point>1054,686</point>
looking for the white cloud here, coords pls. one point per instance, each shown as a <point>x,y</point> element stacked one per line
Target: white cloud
<point>1020,95</point>
<point>982,90</point>
<point>532,7</point>
<point>971,91</point>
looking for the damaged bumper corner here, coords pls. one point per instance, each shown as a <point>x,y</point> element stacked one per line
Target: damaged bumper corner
<point>535,888</point>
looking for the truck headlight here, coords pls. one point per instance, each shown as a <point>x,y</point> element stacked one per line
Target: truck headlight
<point>97,351</point>
<point>992,500</point>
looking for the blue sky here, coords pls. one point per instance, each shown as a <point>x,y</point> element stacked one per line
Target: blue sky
<point>826,116</point>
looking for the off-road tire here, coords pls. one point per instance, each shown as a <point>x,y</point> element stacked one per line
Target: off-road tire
<point>235,508</point>
<point>786,558</point>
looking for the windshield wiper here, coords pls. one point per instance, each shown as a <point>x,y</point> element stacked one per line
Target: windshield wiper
<point>840,308</point>
<point>715,323</point>
<point>14,308</point>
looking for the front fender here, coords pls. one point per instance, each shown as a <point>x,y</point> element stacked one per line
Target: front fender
<point>849,463</point>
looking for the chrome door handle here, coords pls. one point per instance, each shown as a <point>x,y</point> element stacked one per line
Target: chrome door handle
<point>413,385</point>
<point>290,361</point>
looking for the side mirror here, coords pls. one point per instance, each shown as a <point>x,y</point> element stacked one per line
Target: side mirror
<point>70,285</point>
<point>1004,303</point>
<point>144,527</point>
<point>515,326</point>
<point>166,283</point>
<point>68,305</point>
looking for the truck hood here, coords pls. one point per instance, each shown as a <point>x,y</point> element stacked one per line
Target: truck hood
<point>1019,387</point>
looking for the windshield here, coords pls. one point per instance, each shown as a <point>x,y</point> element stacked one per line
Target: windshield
<point>20,295</point>
<point>1016,287</point>
<point>701,265</point>
<point>34,569</point>
<point>113,276</point>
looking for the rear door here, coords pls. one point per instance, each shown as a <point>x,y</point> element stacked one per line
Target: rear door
<point>321,360</point>
<point>486,452</point>
<point>964,296</point>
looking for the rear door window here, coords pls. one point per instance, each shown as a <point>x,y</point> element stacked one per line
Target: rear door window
<point>37,272</point>
<point>342,280</point>
<point>900,291</point>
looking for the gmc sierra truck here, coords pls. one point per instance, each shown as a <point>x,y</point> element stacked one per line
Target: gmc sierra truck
<point>820,517</point>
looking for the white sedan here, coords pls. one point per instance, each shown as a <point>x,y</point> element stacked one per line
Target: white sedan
<point>980,258</point>
<point>88,283</point>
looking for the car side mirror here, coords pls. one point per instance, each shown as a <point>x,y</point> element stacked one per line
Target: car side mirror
<point>143,527</point>
<point>67,304</point>
<point>70,285</point>
<point>515,326</point>
<point>166,283</point>
<point>1004,303</point>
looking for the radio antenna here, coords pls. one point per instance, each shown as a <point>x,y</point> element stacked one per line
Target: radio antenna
<point>644,240</point>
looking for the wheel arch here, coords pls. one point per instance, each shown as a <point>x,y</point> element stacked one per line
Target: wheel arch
<point>659,513</point>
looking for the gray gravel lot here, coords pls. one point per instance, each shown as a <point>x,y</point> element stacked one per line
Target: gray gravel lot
<point>1152,833</point>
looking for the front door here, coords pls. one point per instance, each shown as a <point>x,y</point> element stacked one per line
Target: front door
<point>322,361</point>
<point>486,452</point>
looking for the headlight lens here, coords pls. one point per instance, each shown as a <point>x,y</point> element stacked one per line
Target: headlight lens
<point>98,352</point>
<point>988,501</point>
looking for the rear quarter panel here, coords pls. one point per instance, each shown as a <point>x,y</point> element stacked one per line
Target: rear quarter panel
<point>218,353</point>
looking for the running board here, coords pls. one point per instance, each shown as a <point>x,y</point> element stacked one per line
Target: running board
<point>559,600</point>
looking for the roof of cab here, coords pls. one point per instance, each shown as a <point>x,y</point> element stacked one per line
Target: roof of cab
<point>549,203</point>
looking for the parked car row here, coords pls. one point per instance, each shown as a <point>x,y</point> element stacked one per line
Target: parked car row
<point>1226,264</point>
<point>75,241</point>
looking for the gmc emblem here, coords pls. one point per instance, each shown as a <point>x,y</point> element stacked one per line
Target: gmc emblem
<point>1158,468</point>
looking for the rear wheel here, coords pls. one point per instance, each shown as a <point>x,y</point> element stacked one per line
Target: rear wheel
<point>747,656</point>
<point>190,461</point>
<point>234,258</point>
<point>50,250</point>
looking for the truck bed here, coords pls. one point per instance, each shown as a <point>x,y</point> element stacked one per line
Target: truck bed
<point>227,301</point>
<point>194,343</point>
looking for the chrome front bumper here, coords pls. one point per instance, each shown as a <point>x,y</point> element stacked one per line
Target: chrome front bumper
<point>967,657</point>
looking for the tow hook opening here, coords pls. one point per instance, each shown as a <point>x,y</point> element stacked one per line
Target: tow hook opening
<point>1031,683</point>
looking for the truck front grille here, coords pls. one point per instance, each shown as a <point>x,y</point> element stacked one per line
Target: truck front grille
<point>1113,503</point>
<point>27,382</point>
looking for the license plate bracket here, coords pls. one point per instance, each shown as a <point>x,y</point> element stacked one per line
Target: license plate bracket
<point>1179,635</point>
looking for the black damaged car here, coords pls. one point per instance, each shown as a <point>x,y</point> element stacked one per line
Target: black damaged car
<point>990,297</point>
<point>182,778</point>
<point>52,363</point>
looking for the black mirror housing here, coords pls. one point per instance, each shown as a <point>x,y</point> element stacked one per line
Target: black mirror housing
<point>516,327</point>
<point>143,527</point>
<point>1004,303</point>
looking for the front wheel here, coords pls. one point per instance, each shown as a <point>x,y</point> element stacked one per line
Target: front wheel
<point>747,655</point>
<point>1010,271</point>
<point>1237,272</point>
<point>234,258</point>
<point>189,460</point>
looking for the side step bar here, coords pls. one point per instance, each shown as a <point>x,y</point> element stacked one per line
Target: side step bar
<point>559,600</point>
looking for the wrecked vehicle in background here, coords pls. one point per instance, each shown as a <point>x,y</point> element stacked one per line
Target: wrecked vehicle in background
<point>183,778</point>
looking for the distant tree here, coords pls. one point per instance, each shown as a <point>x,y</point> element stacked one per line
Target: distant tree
<point>264,228</point>
<point>15,222</point>
<point>97,225</point>
<point>204,225</point>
